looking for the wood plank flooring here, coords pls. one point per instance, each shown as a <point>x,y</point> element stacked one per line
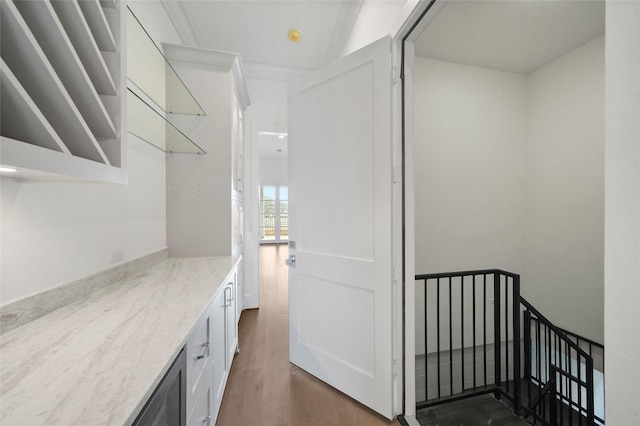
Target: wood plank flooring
<point>264,389</point>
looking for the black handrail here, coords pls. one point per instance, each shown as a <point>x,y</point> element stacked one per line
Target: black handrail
<point>555,383</point>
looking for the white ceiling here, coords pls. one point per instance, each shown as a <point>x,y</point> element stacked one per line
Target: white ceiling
<point>516,36</point>
<point>273,148</point>
<point>258,29</point>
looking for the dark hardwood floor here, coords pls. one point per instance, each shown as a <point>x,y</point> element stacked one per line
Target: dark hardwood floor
<point>264,388</point>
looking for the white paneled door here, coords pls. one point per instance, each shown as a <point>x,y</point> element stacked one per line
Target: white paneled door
<point>340,286</point>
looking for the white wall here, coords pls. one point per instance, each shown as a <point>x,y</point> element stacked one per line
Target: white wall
<point>564,270</point>
<point>57,232</point>
<point>273,173</point>
<point>622,213</point>
<point>377,18</point>
<point>468,162</point>
<point>509,174</point>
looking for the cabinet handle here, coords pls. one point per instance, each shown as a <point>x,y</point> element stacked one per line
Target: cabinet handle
<point>231,295</point>
<point>227,299</point>
<point>206,420</point>
<point>205,348</point>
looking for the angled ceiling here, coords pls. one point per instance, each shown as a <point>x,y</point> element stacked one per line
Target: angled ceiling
<point>517,36</point>
<point>258,29</point>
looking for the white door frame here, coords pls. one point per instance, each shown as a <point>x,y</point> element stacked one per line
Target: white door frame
<point>251,250</point>
<point>415,18</point>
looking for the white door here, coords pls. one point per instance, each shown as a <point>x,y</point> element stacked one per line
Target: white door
<point>340,289</point>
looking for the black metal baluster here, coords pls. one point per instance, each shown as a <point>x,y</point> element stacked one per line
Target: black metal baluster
<point>579,388</point>
<point>462,329</point>
<point>527,352</point>
<point>484,325</point>
<point>450,341</point>
<point>515,307</point>
<point>590,393</point>
<point>496,335</point>
<point>438,332</point>
<point>474,332</point>
<point>426,352</point>
<point>506,329</point>
<point>570,384</point>
<point>538,363</point>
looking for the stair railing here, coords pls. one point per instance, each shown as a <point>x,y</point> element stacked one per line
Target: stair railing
<point>475,343</point>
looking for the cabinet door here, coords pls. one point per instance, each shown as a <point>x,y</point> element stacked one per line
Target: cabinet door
<point>230,322</point>
<point>202,414</point>
<point>199,357</point>
<point>218,322</point>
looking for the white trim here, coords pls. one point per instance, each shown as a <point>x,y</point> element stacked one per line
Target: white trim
<point>180,20</point>
<point>264,71</point>
<point>227,61</point>
<point>344,26</point>
<point>412,12</point>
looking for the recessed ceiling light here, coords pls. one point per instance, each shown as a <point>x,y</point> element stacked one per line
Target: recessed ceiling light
<point>280,136</point>
<point>7,170</point>
<point>294,35</point>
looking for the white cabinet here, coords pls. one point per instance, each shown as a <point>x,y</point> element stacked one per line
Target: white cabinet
<point>199,357</point>
<point>211,348</point>
<point>202,414</point>
<point>204,192</point>
<point>225,336</point>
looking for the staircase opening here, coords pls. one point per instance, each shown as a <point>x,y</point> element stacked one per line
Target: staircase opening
<point>480,337</point>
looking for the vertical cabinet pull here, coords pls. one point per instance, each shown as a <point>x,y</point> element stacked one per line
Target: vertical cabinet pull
<point>205,348</point>
<point>227,299</point>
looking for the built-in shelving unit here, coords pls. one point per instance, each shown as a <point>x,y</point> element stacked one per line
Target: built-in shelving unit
<point>60,98</point>
<point>155,93</point>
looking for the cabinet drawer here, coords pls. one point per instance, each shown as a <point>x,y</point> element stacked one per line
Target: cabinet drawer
<point>202,410</point>
<point>199,353</point>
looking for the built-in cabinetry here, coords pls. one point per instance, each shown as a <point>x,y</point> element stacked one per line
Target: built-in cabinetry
<point>191,392</point>
<point>205,192</point>
<point>62,83</point>
<point>210,350</point>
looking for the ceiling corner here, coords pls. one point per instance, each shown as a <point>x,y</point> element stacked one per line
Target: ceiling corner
<point>178,16</point>
<point>344,25</point>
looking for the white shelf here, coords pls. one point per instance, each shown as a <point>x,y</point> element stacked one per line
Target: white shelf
<point>48,31</point>
<point>25,58</point>
<point>99,25</point>
<point>111,4</point>
<point>36,163</point>
<point>77,29</point>
<point>21,119</point>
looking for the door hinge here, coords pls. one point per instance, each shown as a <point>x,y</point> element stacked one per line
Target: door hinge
<point>395,75</point>
<point>396,174</point>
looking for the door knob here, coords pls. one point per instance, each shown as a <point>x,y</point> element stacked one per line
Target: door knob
<point>291,261</point>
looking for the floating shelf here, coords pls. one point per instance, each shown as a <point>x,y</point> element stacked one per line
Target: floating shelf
<point>147,124</point>
<point>21,119</point>
<point>99,25</point>
<point>80,35</point>
<point>27,61</point>
<point>149,70</point>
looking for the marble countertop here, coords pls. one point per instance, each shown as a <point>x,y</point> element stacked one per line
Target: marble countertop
<point>97,360</point>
